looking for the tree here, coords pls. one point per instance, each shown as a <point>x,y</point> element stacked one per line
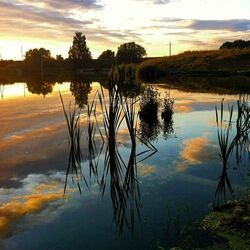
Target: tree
<point>130,53</point>
<point>34,55</point>
<point>59,58</point>
<point>237,44</point>
<point>79,51</point>
<point>107,55</point>
<point>80,91</point>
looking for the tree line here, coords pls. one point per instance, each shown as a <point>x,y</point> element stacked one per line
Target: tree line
<point>238,44</point>
<point>79,54</point>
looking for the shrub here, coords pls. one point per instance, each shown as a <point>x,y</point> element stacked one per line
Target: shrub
<point>149,105</point>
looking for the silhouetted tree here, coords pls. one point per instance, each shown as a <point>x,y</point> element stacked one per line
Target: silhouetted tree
<point>59,58</point>
<point>130,53</point>
<point>107,55</point>
<point>238,44</point>
<point>80,91</point>
<point>36,54</point>
<point>35,86</point>
<point>79,51</point>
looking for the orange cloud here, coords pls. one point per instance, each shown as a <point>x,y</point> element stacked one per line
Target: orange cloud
<point>183,108</point>
<point>196,151</point>
<point>16,209</point>
<point>146,170</point>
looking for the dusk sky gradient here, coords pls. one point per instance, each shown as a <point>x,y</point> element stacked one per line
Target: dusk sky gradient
<point>188,24</point>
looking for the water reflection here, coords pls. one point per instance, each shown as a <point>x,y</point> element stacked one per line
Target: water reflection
<point>232,141</point>
<point>40,88</point>
<point>183,170</point>
<point>2,90</point>
<point>121,173</point>
<point>150,125</point>
<point>80,91</point>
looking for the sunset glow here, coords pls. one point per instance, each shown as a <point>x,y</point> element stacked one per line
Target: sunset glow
<point>107,24</point>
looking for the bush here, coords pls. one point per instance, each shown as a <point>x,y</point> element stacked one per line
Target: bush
<point>167,112</point>
<point>149,105</point>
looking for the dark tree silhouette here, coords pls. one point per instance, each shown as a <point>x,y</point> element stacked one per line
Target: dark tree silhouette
<point>80,91</point>
<point>238,44</point>
<point>36,55</point>
<point>35,86</point>
<point>59,58</point>
<point>130,53</point>
<point>107,55</point>
<point>79,50</point>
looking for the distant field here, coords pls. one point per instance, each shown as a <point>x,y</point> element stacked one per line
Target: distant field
<point>201,63</point>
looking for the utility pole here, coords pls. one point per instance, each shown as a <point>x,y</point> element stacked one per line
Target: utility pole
<point>42,67</point>
<point>22,53</point>
<point>24,88</point>
<point>2,91</point>
<point>170,49</point>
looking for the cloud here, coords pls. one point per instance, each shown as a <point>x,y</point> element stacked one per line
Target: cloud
<point>196,151</point>
<point>33,198</point>
<point>197,25</point>
<point>162,1</point>
<point>57,21</point>
<point>146,170</point>
<point>30,14</point>
<point>71,4</point>
<point>231,25</point>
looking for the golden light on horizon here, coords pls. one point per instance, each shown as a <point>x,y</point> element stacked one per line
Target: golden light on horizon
<point>189,24</point>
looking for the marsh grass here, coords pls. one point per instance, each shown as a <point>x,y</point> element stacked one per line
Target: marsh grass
<point>228,143</point>
<point>75,155</point>
<point>226,149</point>
<point>168,108</point>
<point>118,109</point>
<point>149,105</point>
<point>242,144</point>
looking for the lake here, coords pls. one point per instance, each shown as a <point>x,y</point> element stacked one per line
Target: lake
<point>171,173</point>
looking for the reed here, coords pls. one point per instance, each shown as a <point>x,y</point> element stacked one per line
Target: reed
<point>239,143</point>
<point>168,108</point>
<point>226,149</point>
<point>117,109</point>
<point>75,156</point>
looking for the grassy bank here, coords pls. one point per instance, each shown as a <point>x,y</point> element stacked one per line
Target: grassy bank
<point>197,63</point>
<point>231,222</point>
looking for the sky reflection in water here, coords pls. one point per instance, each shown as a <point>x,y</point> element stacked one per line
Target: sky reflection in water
<point>34,151</point>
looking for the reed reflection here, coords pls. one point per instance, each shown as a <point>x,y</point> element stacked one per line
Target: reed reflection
<point>232,142</point>
<point>107,164</point>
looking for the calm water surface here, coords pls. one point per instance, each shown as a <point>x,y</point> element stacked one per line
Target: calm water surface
<point>34,213</point>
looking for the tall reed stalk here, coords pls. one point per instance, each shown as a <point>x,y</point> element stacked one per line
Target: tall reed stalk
<point>74,137</point>
<point>239,142</point>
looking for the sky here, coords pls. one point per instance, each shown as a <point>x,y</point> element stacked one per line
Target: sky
<point>187,24</point>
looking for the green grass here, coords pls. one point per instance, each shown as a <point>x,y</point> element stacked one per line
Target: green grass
<point>214,62</point>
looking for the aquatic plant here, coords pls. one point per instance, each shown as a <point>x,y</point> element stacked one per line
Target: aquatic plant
<point>121,174</point>
<point>118,108</point>
<point>242,144</point>
<point>239,142</point>
<point>226,149</point>
<point>168,108</point>
<point>75,155</point>
<point>149,105</point>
